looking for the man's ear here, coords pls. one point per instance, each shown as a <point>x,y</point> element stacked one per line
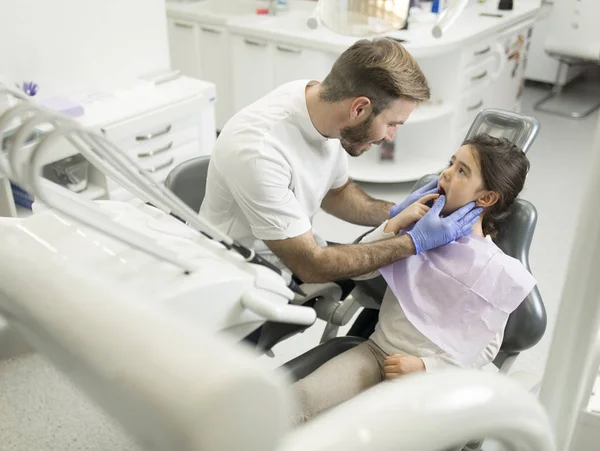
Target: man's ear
<point>360,108</point>
<point>488,199</point>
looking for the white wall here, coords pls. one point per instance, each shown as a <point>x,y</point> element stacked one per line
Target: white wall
<point>69,45</point>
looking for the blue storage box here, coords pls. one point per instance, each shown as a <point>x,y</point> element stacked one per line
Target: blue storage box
<point>22,197</point>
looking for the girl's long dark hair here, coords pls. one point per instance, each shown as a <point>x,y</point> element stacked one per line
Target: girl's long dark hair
<point>504,168</point>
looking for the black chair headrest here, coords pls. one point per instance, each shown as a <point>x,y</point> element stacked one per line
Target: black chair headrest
<point>188,181</point>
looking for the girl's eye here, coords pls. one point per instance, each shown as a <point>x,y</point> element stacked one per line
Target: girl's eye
<point>450,163</point>
<point>462,171</point>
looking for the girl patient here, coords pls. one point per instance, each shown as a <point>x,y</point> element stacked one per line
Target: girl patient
<point>445,307</point>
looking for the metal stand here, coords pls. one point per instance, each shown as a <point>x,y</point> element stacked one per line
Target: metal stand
<point>556,92</point>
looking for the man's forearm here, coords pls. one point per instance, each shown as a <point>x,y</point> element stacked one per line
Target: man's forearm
<point>341,262</point>
<point>353,205</point>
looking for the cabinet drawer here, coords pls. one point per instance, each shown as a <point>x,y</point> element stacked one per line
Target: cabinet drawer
<point>160,169</point>
<point>478,75</point>
<point>177,137</point>
<point>160,166</point>
<point>149,126</point>
<point>471,104</point>
<point>476,53</point>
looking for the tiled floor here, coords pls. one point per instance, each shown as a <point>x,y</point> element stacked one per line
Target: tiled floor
<point>40,411</point>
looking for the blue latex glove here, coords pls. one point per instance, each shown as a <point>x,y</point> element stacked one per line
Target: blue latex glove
<point>430,188</point>
<point>431,231</point>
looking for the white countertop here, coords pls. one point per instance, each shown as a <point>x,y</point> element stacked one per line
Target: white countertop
<point>290,27</point>
<point>219,12</point>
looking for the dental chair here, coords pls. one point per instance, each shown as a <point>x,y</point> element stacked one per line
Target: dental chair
<point>525,327</point>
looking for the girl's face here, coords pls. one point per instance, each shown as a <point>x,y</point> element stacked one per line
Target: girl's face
<point>461,182</point>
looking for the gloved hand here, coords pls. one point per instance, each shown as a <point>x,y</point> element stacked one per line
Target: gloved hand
<point>432,231</point>
<point>430,188</point>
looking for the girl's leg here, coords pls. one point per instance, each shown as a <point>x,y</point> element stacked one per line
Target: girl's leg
<point>338,380</point>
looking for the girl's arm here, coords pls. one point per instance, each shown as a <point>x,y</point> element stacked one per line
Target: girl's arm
<point>444,360</point>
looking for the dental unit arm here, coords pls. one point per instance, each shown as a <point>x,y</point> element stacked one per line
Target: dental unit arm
<point>145,313</point>
<point>134,241</point>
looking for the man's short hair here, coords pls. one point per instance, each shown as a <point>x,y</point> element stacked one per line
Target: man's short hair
<point>380,69</point>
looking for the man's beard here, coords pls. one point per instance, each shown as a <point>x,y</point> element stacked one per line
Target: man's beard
<point>353,138</point>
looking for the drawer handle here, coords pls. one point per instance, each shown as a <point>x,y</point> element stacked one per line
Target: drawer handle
<point>161,166</point>
<point>184,25</point>
<point>151,153</point>
<point>288,49</point>
<point>482,52</point>
<point>153,135</point>
<point>476,106</point>
<point>211,30</point>
<point>480,76</point>
<point>255,43</point>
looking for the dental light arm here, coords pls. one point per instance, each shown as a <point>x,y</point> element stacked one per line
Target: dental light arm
<point>448,17</point>
<point>430,412</point>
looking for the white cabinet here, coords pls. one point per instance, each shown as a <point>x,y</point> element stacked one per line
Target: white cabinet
<point>295,63</point>
<point>184,47</point>
<point>262,65</point>
<point>508,82</point>
<point>253,76</point>
<point>492,75</point>
<point>202,51</point>
<point>216,67</point>
<point>179,127</point>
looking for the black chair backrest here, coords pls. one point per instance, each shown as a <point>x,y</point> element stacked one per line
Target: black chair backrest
<point>527,324</point>
<point>188,181</point>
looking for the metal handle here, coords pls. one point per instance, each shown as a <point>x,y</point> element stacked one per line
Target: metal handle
<point>482,52</point>
<point>288,49</point>
<point>211,30</point>
<point>151,153</point>
<point>474,107</point>
<point>255,43</point>
<point>153,135</point>
<point>480,76</point>
<point>184,25</point>
<point>161,166</point>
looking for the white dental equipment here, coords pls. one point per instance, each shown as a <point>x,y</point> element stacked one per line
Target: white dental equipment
<point>163,237</point>
<point>126,300</point>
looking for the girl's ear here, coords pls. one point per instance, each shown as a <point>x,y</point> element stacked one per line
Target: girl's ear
<point>488,199</point>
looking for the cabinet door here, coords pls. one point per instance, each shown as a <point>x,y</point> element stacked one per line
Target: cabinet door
<point>216,68</point>
<point>252,61</point>
<point>184,47</point>
<point>295,63</point>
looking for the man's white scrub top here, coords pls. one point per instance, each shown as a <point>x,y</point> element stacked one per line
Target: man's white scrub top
<point>270,170</point>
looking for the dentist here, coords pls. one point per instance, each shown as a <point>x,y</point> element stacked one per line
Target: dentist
<point>281,159</point>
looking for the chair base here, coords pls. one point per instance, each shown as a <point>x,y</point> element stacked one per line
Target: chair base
<point>578,103</point>
<point>588,107</point>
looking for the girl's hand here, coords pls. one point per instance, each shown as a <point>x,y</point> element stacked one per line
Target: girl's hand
<point>401,364</point>
<point>410,214</point>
